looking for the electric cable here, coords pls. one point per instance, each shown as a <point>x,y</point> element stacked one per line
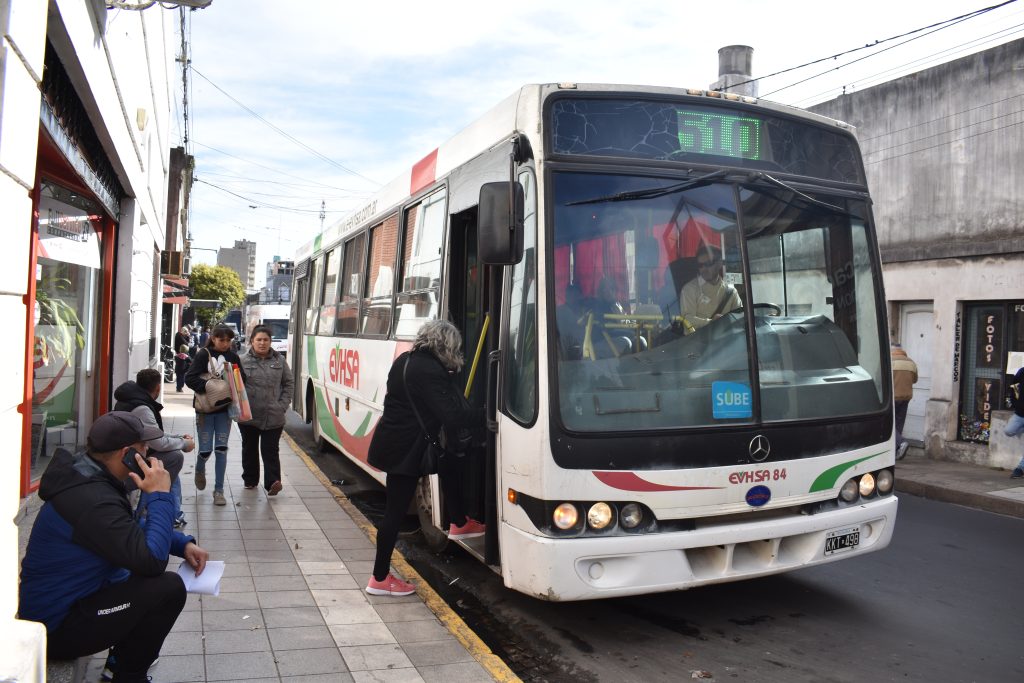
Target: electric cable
<point>283,133</point>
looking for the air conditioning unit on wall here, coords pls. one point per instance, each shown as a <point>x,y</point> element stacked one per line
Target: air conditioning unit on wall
<point>171,263</point>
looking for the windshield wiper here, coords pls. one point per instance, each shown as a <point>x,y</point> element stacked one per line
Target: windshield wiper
<point>652,192</point>
<point>789,188</point>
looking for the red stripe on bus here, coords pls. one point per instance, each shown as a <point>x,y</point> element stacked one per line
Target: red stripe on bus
<point>631,481</point>
<point>424,172</point>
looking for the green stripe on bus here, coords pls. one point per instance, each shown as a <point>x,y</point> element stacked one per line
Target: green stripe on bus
<point>361,429</point>
<point>311,356</point>
<point>827,479</point>
<point>323,411</point>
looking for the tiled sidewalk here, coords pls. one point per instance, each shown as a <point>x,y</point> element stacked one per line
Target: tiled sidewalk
<point>291,606</point>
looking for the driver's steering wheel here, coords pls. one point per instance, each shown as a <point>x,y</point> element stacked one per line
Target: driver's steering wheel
<point>775,309</point>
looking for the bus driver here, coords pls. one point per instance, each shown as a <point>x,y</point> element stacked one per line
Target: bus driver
<point>708,296</point>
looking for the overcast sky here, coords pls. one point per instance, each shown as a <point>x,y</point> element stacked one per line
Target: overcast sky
<point>297,103</point>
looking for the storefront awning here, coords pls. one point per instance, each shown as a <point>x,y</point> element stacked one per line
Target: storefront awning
<point>176,291</point>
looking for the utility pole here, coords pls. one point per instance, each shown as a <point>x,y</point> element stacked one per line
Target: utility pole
<point>184,61</point>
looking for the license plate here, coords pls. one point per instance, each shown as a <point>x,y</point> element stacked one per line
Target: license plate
<point>842,540</point>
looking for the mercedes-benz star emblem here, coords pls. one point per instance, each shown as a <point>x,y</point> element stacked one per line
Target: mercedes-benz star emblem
<point>759,448</point>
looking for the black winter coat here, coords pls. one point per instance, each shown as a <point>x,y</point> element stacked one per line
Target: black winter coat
<point>398,441</point>
<point>200,365</point>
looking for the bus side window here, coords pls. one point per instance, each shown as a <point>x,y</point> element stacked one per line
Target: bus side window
<point>375,317</point>
<point>329,298</point>
<point>351,286</point>
<point>316,275</point>
<point>421,265</point>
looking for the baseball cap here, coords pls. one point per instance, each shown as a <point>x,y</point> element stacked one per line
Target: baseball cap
<point>118,429</point>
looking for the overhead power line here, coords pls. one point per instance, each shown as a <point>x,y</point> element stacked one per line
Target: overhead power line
<point>921,63</point>
<point>255,163</point>
<point>253,202</point>
<point>283,133</point>
<point>941,24</point>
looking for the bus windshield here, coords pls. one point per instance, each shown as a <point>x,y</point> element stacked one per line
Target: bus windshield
<point>657,282</point>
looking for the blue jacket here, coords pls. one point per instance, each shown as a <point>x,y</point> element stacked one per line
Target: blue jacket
<point>85,538</point>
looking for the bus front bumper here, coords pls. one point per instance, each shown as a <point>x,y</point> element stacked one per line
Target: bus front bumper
<point>587,568</point>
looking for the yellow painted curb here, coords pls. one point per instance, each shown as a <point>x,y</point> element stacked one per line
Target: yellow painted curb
<point>494,665</point>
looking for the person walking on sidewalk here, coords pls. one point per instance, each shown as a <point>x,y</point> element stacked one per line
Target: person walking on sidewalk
<point>904,376</point>
<point>92,574</point>
<point>424,375</point>
<point>1015,426</point>
<point>213,428</point>
<point>269,383</point>
<point>181,363</point>
<point>139,399</point>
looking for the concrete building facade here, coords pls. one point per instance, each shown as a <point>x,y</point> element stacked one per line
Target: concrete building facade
<point>942,149</point>
<point>278,289</point>
<point>242,259</point>
<point>85,127</point>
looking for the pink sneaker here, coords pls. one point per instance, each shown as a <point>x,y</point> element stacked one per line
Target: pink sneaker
<point>471,529</point>
<point>391,585</point>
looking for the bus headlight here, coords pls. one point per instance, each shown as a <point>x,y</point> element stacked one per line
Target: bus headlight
<point>631,516</point>
<point>599,515</point>
<point>849,491</point>
<point>867,485</point>
<point>884,481</point>
<point>565,516</point>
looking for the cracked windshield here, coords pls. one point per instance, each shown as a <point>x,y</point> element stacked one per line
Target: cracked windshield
<point>657,282</point>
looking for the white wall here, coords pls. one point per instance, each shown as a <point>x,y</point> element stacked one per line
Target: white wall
<point>23,646</point>
<point>947,283</point>
<point>120,62</point>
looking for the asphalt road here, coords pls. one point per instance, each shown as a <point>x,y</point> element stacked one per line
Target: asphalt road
<point>944,603</point>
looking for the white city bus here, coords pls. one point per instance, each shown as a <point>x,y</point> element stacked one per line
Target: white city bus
<point>631,448</point>
<point>274,316</point>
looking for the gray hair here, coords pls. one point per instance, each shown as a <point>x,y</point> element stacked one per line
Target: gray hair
<point>443,340</point>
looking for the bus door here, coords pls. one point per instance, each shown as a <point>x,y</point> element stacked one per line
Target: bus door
<point>467,297</point>
<point>300,302</point>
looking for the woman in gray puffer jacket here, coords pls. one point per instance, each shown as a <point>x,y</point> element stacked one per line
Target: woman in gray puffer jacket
<point>269,384</point>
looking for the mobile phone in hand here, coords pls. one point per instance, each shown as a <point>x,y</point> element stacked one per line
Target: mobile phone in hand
<point>129,461</point>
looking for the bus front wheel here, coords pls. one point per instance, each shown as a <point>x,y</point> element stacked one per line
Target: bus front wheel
<point>436,539</point>
<point>318,437</point>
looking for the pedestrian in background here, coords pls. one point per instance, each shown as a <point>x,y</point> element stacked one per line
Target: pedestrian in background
<point>182,336</point>
<point>269,384</point>
<point>181,363</point>
<point>424,375</point>
<point>140,399</point>
<point>214,427</point>
<point>904,376</point>
<point>1015,427</point>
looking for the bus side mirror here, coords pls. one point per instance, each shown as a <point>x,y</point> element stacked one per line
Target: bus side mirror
<point>500,223</point>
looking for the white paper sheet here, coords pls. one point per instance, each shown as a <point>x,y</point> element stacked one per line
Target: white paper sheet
<point>207,583</point>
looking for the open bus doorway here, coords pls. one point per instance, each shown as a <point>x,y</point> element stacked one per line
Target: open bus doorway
<point>467,293</point>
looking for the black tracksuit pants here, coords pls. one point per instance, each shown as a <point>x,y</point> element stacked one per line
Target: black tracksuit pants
<point>133,617</point>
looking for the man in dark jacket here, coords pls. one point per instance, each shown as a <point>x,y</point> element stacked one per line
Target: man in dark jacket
<point>139,399</point>
<point>91,573</point>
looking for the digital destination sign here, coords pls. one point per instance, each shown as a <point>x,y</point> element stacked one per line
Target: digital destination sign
<point>725,135</point>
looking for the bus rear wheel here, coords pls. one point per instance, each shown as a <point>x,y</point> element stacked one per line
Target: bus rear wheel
<point>436,539</point>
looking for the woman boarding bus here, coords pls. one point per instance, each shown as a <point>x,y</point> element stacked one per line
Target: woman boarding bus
<point>631,448</point>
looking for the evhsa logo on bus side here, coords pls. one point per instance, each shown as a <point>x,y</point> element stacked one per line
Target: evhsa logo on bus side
<point>343,367</point>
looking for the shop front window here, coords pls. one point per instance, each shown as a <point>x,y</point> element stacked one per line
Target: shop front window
<point>993,349</point>
<point>64,349</point>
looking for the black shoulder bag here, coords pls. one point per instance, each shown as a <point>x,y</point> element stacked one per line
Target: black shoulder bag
<point>434,451</point>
